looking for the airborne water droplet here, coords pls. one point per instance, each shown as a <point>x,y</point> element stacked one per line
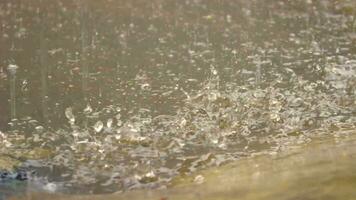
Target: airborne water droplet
<point>109,123</point>
<point>69,114</point>
<point>88,109</point>
<point>119,123</point>
<point>213,70</point>
<point>39,129</point>
<point>98,126</point>
<point>118,109</point>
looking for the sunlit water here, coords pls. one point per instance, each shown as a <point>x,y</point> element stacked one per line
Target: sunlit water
<point>119,95</point>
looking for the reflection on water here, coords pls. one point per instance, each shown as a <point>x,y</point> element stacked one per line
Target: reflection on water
<point>128,94</point>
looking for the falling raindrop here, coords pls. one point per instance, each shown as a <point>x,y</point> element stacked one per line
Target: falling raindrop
<point>88,109</point>
<point>69,114</point>
<point>39,129</point>
<point>98,126</point>
<point>118,109</point>
<point>109,123</point>
<point>118,119</point>
<point>119,123</point>
<point>12,71</point>
<point>213,70</point>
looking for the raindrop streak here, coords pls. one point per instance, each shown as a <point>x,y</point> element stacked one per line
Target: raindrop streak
<point>12,72</point>
<point>85,47</point>
<point>43,58</point>
<point>258,72</point>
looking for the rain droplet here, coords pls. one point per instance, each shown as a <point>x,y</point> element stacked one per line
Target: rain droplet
<point>109,123</point>
<point>117,136</point>
<point>118,109</point>
<point>119,122</point>
<point>213,70</point>
<point>98,126</point>
<point>39,128</point>
<point>88,109</point>
<point>69,114</point>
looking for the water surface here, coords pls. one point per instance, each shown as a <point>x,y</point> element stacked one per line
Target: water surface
<point>109,96</point>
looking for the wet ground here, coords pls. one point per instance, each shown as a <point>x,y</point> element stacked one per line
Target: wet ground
<point>107,96</point>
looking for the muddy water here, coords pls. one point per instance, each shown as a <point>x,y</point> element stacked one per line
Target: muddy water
<point>324,169</point>
<point>107,96</point>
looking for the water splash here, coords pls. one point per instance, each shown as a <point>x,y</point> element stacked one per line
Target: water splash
<point>98,126</point>
<point>69,115</point>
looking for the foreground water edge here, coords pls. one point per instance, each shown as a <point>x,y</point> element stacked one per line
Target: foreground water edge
<point>323,169</point>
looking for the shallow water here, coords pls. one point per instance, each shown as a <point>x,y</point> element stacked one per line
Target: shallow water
<point>113,96</point>
<point>323,169</point>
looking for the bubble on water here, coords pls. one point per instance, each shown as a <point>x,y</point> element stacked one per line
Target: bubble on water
<point>275,117</point>
<point>50,187</point>
<point>147,178</point>
<point>39,129</point>
<point>199,179</point>
<point>33,121</point>
<point>296,102</point>
<point>118,136</point>
<point>145,86</point>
